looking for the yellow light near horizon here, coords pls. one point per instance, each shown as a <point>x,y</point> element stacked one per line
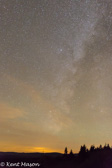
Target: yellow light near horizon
<point>43,150</point>
<point>26,149</point>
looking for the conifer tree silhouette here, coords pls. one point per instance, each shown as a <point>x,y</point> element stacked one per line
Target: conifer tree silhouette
<point>66,151</point>
<point>92,148</point>
<point>71,153</point>
<point>83,151</point>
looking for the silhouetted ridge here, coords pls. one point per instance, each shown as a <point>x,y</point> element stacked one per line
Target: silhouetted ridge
<point>94,157</point>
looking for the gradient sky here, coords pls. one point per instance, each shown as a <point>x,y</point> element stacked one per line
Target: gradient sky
<point>55,74</point>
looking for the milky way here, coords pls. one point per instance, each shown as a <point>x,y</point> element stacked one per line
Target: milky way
<point>55,74</point>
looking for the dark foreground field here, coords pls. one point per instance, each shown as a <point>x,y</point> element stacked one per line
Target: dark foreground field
<point>90,159</point>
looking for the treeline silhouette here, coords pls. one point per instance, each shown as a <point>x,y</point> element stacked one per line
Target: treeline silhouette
<point>84,151</point>
<point>94,157</point>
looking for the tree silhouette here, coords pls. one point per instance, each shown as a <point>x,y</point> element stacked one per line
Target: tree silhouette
<point>71,154</point>
<point>66,151</point>
<point>100,147</point>
<point>107,146</point>
<point>92,148</point>
<point>83,151</point>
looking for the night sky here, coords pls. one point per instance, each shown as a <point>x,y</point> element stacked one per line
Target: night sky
<point>55,74</point>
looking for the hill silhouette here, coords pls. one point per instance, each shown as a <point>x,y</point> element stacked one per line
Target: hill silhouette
<point>100,157</point>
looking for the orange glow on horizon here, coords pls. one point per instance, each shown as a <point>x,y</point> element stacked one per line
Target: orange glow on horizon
<point>33,149</point>
<point>21,149</point>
